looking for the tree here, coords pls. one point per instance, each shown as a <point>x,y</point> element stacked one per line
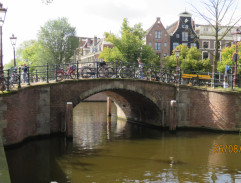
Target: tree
<point>227,54</point>
<point>218,12</point>
<point>58,40</point>
<point>189,60</point>
<point>129,46</point>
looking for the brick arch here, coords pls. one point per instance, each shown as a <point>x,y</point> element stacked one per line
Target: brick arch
<point>140,100</point>
<point>131,105</point>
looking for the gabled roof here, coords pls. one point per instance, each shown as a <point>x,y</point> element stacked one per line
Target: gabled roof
<point>170,29</point>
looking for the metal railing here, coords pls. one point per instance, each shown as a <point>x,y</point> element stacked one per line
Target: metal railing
<point>16,78</point>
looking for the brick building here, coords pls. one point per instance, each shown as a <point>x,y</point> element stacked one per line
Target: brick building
<point>183,32</point>
<point>158,38</point>
<point>90,48</point>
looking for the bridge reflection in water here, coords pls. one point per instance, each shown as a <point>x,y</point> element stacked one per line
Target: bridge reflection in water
<point>124,152</point>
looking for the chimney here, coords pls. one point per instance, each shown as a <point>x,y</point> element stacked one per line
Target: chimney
<point>95,41</point>
<point>158,19</point>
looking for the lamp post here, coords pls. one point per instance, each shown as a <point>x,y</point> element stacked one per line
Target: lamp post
<point>13,42</point>
<point>236,38</point>
<point>177,53</point>
<point>2,18</point>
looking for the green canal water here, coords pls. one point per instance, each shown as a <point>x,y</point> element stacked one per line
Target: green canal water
<point>103,152</point>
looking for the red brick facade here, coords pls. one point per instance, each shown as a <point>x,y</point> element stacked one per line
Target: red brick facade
<point>158,38</point>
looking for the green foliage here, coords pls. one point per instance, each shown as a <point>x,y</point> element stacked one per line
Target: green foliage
<point>188,60</point>
<point>129,46</point>
<point>58,40</point>
<point>227,54</point>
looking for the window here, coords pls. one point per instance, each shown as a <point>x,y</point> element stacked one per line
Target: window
<point>175,45</point>
<point>164,54</point>
<point>165,44</point>
<point>158,34</point>
<point>177,35</point>
<point>193,45</point>
<point>150,43</point>
<point>166,35</point>
<point>157,46</point>
<point>206,44</point>
<point>228,44</point>
<point>219,44</point>
<point>205,55</point>
<point>192,35</point>
<point>184,36</point>
<point>185,44</point>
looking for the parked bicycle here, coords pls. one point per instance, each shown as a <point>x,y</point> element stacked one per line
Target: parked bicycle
<point>69,74</point>
<point>101,70</point>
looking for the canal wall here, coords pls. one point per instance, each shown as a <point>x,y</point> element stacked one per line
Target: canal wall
<point>218,110</point>
<point>40,110</point>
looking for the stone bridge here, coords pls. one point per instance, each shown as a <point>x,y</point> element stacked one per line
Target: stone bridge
<point>40,109</point>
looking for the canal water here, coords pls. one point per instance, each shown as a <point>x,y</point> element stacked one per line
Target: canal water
<point>103,152</point>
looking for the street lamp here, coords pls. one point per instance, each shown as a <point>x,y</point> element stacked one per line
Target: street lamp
<point>13,42</point>
<point>2,18</point>
<point>177,53</point>
<point>236,38</point>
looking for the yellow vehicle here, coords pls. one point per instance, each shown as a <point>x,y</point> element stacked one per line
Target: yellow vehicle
<point>194,79</point>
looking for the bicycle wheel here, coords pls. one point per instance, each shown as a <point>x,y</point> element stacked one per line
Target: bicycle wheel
<point>72,75</point>
<point>172,78</point>
<point>109,72</point>
<point>101,72</point>
<point>125,72</point>
<point>86,72</point>
<point>60,76</point>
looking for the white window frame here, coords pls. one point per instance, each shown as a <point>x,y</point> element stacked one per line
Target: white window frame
<point>203,54</point>
<point>157,46</point>
<point>158,34</point>
<point>184,36</point>
<point>175,45</point>
<point>165,44</point>
<point>220,47</point>
<point>208,44</point>
<point>193,45</point>
<point>177,35</point>
<point>149,43</point>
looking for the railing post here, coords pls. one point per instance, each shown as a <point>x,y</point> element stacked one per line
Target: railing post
<point>134,70</point>
<point>28,75</point>
<point>232,79</point>
<point>8,80</point>
<point>213,80</point>
<point>180,76</point>
<point>116,69</point>
<point>151,73</point>
<point>47,73</point>
<point>97,69</point>
<point>198,80</point>
<point>77,69</point>
<point>36,75</point>
<point>56,74</point>
<point>19,77</point>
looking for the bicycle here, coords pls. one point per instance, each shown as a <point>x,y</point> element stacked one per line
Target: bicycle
<point>61,74</point>
<point>103,71</point>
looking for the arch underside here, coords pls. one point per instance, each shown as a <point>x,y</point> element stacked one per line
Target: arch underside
<point>134,106</point>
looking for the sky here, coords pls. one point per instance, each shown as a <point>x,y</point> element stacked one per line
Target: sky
<point>90,17</point>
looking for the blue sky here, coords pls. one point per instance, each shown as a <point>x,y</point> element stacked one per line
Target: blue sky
<point>24,17</point>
